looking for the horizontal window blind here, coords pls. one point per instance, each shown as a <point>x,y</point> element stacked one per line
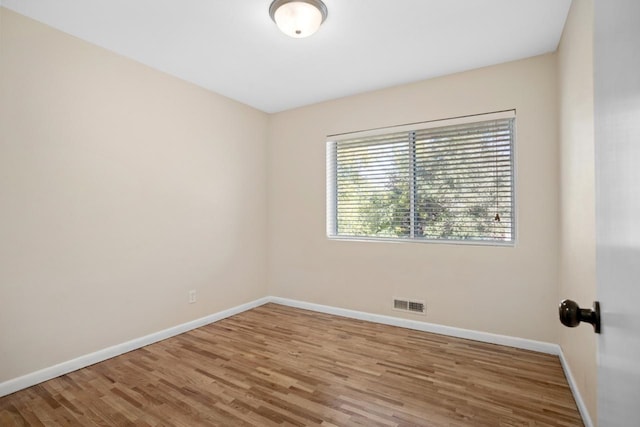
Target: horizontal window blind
<point>452,182</point>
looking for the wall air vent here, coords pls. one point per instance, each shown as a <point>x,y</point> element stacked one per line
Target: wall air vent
<point>412,306</point>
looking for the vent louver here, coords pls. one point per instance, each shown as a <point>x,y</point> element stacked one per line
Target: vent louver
<point>412,306</point>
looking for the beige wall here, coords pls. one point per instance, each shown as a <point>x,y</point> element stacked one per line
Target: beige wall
<point>504,290</point>
<point>577,191</point>
<point>121,188</point>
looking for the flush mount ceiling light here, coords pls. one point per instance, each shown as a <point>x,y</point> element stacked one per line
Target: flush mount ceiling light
<point>298,18</point>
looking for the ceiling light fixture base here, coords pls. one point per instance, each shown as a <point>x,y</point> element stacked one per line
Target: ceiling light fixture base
<point>298,18</point>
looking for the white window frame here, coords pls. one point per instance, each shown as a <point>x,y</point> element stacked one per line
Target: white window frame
<point>331,185</point>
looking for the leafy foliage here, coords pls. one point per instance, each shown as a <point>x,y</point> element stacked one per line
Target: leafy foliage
<point>456,189</point>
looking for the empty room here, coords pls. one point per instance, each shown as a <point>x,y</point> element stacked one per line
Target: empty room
<point>319,213</point>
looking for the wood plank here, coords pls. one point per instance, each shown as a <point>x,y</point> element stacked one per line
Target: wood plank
<point>277,365</point>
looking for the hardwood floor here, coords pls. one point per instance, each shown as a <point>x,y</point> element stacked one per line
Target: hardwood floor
<point>276,365</point>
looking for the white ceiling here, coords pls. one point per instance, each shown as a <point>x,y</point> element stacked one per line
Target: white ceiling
<point>233,48</point>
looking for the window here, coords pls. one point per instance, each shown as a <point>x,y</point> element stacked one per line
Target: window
<point>438,181</point>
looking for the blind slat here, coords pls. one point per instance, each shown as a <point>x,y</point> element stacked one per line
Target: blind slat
<point>445,183</point>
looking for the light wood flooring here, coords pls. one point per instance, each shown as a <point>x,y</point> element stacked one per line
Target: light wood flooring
<point>276,365</point>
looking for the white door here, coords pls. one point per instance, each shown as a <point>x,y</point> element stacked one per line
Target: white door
<point>617,135</point>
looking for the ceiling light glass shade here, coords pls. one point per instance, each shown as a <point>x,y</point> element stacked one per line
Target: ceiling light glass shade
<point>298,18</point>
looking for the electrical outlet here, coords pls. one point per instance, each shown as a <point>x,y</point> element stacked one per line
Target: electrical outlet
<point>192,296</point>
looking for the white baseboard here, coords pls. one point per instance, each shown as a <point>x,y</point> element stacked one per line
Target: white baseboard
<point>42,375</point>
<point>582,407</point>
<point>539,346</point>
<point>45,374</point>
